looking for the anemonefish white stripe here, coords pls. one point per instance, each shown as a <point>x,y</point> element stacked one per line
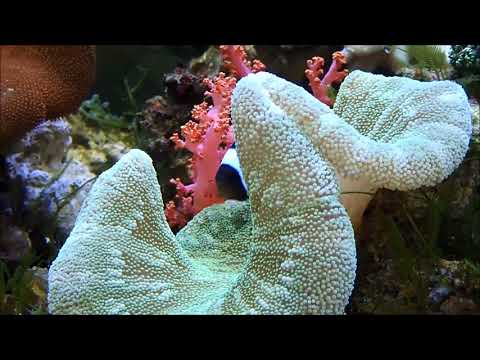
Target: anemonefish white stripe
<point>231,159</point>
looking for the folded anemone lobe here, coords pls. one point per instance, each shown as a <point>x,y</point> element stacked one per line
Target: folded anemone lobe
<point>299,258</point>
<point>383,132</point>
<point>41,82</point>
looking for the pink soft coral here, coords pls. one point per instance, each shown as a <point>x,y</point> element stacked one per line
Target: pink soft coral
<point>208,137</point>
<point>335,74</point>
<point>235,59</point>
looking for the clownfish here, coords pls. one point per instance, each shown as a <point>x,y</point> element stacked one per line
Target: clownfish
<point>229,178</point>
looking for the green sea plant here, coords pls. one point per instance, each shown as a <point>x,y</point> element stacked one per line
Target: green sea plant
<point>427,57</point>
<point>465,60</point>
<point>418,239</point>
<point>461,237</point>
<point>472,278</point>
<point>98,112</point>
<point>130,99</point>
<point>415,251</point>
<point>18,291</point>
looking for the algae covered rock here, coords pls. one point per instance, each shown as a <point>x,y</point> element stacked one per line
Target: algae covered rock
<point>465,60</point>
<point>97,147</point>
<point>14,241</point>
<point>53,187</point>
<point>161,117</point>
<point>474,105</point>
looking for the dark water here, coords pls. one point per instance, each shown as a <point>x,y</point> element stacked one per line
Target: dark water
<point>117,62</point>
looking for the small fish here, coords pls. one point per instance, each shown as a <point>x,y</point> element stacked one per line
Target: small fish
<point>229,178</point>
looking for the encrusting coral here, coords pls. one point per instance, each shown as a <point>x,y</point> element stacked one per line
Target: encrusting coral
<point>384,132</point>
<point>122,257</point>
<point>41,82</point>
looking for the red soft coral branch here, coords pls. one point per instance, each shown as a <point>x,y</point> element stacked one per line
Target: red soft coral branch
<point>208,136</point>
<point>335,74</point>
<point>235,59</point>
<point>176,217</point>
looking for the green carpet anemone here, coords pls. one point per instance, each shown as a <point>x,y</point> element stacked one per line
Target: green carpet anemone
<point>122,258</point>
<point>291,249</point>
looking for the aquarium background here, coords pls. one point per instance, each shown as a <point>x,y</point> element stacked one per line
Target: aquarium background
<point>115,63</point>
<point>418,252</point>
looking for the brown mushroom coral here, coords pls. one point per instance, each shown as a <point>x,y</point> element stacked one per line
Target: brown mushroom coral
<point>41,82</point>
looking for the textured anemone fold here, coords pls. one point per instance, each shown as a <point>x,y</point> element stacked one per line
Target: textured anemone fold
<point>302,234</point>
<point>121,257</point>
<point>299,258</point>
<point>383,132</point>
